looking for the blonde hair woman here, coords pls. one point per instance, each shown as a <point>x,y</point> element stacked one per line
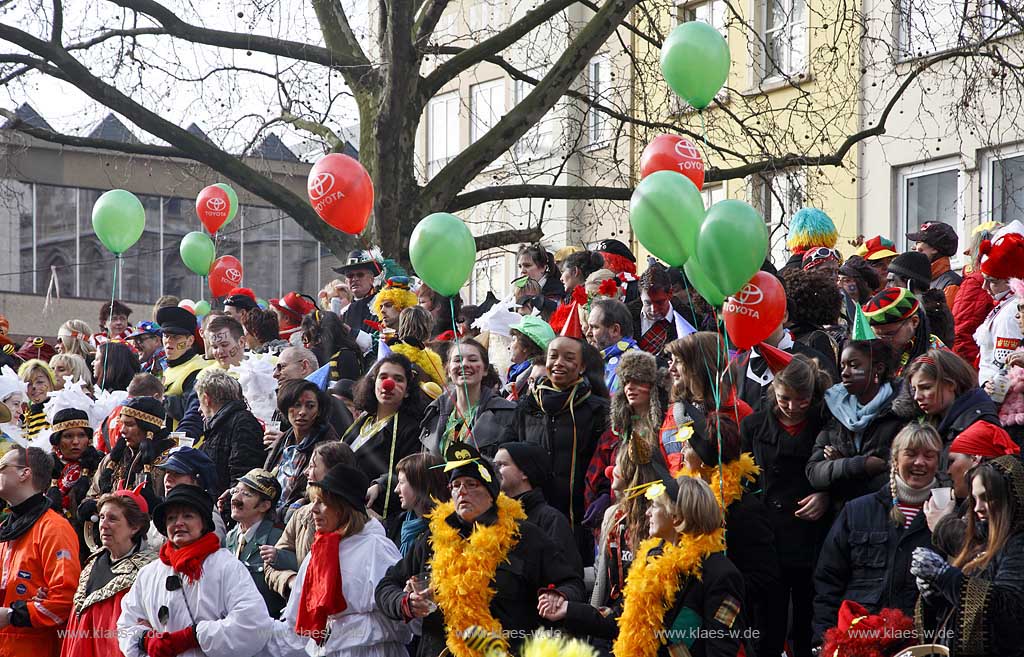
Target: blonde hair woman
<point>73,365</point>
<point>866,556</point>
<point>73,338</point>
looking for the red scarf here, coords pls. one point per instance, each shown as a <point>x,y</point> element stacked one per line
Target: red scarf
<point>188,560</point>
<point>321,590</point>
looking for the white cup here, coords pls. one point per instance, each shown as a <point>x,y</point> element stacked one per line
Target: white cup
<point>942,497</point>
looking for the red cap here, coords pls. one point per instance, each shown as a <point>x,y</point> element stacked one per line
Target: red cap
<point>1003,257</point>
<point>294,305</point>
<point>244,291</point>
<point>984,439</point>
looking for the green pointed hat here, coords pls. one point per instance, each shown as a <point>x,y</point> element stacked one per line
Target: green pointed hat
<point>862,327</point>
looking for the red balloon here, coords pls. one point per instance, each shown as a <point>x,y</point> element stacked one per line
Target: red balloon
<point>213,205</point>
<point>226,273</point>
<point>341,192</point>
<point>673,153</point>
<point>753,313</point>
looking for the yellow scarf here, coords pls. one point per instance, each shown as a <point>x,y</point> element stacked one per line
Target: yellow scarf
<point>463,569</point>
<point>727,484</point>
<point>652,586</point>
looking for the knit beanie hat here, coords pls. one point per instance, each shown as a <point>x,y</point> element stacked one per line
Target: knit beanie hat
<point>891,305</point>
<point>913,266</point>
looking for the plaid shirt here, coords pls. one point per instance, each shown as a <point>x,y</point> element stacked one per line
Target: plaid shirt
<point>655,338</point>
<point>597,482</point>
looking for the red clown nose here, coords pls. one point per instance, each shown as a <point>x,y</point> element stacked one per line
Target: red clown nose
<point>388,385</point>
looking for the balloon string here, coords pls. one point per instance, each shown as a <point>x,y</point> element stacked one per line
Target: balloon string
<point>471,411</point>
<point>703,128</point>
<point>110,311</point>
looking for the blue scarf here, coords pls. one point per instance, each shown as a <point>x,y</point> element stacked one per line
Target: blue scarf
<point>849,411</point>
<point>412,527</point>
<point>516,369</point>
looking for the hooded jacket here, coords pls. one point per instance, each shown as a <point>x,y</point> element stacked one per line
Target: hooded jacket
<point>970,307</point>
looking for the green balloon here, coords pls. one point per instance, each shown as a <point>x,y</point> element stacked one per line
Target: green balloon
<point>732,244</point>
<point>262,303</point>
<point>443,252</point>
<point>666,211</point>
<point>202,307</point>
<point>197,252</point>
<point>695,62</point>
<point>699,279</point>
<point>118,219</point>
<point>232,202</point>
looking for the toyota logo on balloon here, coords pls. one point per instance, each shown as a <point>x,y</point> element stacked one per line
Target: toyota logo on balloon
<point>684,148</point>
<point>233,275</point>
<point>216,204</point>
<point>753,313</point>
<point>673,153</point>
<point>750,295</point>
<point>320,185</point>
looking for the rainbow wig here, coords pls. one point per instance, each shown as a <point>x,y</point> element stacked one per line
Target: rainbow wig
<point>810,228</point>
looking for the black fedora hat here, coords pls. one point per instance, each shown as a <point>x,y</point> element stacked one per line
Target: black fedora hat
<point>348,483</point>
<point>185,495</point>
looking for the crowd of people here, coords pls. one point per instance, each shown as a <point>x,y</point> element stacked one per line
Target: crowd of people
<point>381,471</point>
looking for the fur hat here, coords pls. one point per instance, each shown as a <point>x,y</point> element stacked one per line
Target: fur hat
<point>808,228</point>
<point>641,367</point>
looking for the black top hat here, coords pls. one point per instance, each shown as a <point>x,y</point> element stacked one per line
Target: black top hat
<point>176,321</point>
<point>185,495</point>
<point>359,259</point>
<point>463,460</point>
<point>348,483</point>
<point>615,247</point>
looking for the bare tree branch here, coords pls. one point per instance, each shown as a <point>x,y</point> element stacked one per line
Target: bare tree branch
<point>449,70</point>
<point>342,41</point>
<point>506,237</point>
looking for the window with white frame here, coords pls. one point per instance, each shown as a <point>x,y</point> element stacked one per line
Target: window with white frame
<point>712,194</point>
<point>486,107</point>
<point>442,131</point>
<point>488,276</point>
<point>712,12</point>
<point>778,196</point>
<point>1007,176</point>
<point>928,26</point>
<point>784,29</point>
<point>599,128</point>
<point>537,141</point>
<point>928,192</point>
<point>486,15</point>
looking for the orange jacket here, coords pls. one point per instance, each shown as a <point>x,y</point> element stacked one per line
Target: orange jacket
<point>45,555</point>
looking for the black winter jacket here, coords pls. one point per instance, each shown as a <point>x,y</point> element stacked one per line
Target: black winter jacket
<point>973,406</point>
<point>750,543</point>
<point>866,559</point>
<point>845,478</point>
<point>783,483</point>
<point>557,434</point>
<point>553,522</point>
<point>493,417</point>
<point>234,442</point>
<point>374,457</point>
<point>533,564</point>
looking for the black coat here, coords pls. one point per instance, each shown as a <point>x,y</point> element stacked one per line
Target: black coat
<point>973,406</point>
<point>493,416</point>
<point>556,433</point>
<point>375,459</point>
<point>866,559</point>
<point>234,442</point>
<point>750,543</point>
<point>533,564</point>
<point>997,605</point>
<point>783,483</point>
<point>357,313</point>
<point>553,522</point>
<point>845,478</point>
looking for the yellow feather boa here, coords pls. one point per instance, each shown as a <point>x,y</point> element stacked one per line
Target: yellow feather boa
<point>652,586</point>
<point>727,485</point>
<point>463,569</point>
<point>427,360</point>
